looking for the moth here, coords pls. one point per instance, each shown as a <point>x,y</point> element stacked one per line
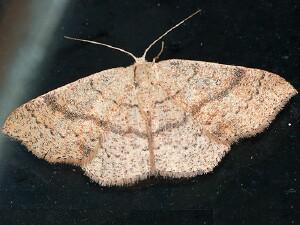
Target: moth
<point>173,118</point>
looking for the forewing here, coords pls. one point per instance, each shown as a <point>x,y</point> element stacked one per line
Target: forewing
<point>91,119</point>
<point>221,104</point>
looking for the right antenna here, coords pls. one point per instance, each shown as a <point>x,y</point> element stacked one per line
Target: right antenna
<point>168,31</point>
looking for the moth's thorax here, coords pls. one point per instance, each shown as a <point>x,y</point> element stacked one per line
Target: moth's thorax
<point>144,73</point>
<point>146,80</point>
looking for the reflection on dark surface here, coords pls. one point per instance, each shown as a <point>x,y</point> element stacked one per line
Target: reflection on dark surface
<point>256,183</point>
<point>28,27</point>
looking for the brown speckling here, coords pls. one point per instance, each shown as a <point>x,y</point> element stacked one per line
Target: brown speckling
<point>177,119</point>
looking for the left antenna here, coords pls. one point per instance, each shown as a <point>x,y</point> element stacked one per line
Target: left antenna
<point>103,44</point>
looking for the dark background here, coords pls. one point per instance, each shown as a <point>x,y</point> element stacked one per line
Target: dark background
<point>256,183</point>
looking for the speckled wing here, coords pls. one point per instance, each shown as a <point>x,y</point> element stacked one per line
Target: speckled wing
<point>215,105</point>
<point>92,122</point>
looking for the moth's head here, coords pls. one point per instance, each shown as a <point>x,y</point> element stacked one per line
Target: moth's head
<point>140,60</point>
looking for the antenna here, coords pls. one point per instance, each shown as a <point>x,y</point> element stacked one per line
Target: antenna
<point>161,50</point>
<point>106,45</point>
<point>168,31</point>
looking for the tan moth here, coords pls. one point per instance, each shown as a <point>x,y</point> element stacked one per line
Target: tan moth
<point>174,118</point>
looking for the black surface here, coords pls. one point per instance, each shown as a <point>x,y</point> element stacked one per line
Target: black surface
<point>256,183</point>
